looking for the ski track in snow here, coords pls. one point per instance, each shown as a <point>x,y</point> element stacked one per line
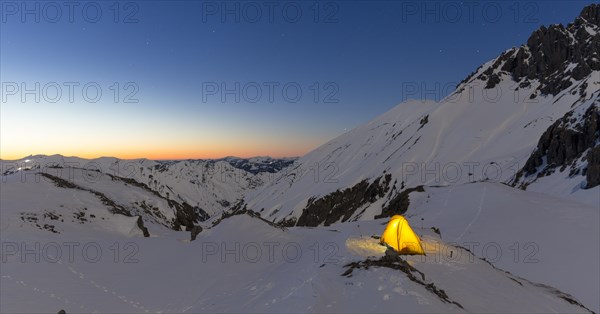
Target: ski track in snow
<point>108,290</point>
<point>445,205</point>
<point>49,294</point>
<point>476,216</point>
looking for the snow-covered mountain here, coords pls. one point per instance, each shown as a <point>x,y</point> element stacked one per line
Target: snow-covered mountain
<point>528,117</point>
<point>501,180</point>
<point>175,194</point>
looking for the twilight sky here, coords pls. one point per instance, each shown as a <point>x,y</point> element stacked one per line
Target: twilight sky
<point>207,79</point>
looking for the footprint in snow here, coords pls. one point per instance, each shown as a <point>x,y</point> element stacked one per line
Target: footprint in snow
<point>399,290</point>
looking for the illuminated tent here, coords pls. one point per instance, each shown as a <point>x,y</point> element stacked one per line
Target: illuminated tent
<point>399,236</point>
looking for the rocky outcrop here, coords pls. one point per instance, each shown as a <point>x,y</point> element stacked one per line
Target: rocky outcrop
<point>194,232</point>
<point>140,224</point>
<point>241,208</point>
<point>393,261</point>
<point>556,57</point>
<point>553,56</point>
<point>342,204</point>
<point>591,14</point>
<point>592,175</point>
<point>572,138</point>
<point>113,207</point>
<point>259,165</point>
<point>399,204</point>
<point>185,214</point>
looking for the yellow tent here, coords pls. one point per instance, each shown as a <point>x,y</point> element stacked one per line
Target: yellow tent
<point>399,235</point>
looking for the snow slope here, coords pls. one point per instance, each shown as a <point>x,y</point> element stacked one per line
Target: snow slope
<point>542,238</point>
<point>462,141</point>
<point>305,269</point>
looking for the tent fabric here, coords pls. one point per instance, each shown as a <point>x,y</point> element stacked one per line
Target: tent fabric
<point>399,236</point>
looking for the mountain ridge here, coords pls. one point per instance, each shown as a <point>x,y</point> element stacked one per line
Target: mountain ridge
<point>498,106</point>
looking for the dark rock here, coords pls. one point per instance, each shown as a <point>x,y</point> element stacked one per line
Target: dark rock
<point>493,80</point>
<point>62,183</point>
<point>194,231</point>
<point>548,53</point>
<point>241,208</point>
<point>423,121</point>
<point>342,204</point>
<point>591,14</point>
<point>140,224</point>
<point>393,261</point>
<point>185,214</point>
<point>399,204</point>
<point>269,165</point>
<point>593,169</point>
<point>565,142</point>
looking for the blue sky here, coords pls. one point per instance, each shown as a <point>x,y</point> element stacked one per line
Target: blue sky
<point>171,60</point>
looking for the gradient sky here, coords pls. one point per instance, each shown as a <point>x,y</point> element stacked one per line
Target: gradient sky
<point>361,54</point>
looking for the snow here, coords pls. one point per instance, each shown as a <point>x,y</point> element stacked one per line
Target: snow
<point>590,30</point>
<point>472,135</point>
<point>546,237</point>
<point>204,183</point>
<point>499,249</point>
<point>557,238</point>
<point>473,145</point>
<point>245,265</point>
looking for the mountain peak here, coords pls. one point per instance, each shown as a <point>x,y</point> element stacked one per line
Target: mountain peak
<point>591,14</point>
<point>554,58</point>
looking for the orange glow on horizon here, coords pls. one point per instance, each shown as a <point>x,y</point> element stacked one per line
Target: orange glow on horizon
<point>168,153</point>
<point>92,139</point>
